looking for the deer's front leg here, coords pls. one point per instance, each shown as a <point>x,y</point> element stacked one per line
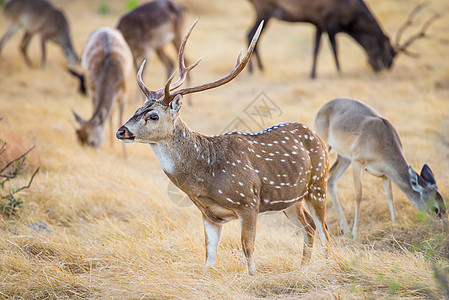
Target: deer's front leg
<point>248,222</point>
<point>357,170</point>
<point>212,233</point>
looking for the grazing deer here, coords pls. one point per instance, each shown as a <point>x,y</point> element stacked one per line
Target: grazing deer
<point>364,138</point>
<point>352,17</point>
<point>235,175</point>
<point>150,27</point>
<point>106,61</point>
<point>38,16</point>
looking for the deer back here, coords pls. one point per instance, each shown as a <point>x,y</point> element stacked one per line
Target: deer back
<point>151,26</point>
<point>106,61</point>
<point>40,16</point>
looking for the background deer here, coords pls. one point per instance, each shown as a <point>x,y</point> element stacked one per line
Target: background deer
<point>106,61</point>
<point>364,138</point>
<point>150,27</point>
<point>38,16</point>
<point>352,17</point>
<point>235,175</point>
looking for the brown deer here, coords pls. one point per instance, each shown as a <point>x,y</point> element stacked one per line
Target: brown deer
<point>38,16</point>
<point>352,17</point>
<point>106,61</point>
<point>370,142</point>
<point>150,27</point>
<point>235,175</point>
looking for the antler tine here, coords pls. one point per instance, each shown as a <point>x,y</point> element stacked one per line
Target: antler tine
<point>239,66</point>
<point>183,70</point>
<point>409,22</point>
<point>421,34</point>
<point>149,94</point>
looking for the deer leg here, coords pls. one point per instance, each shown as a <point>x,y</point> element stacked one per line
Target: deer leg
<point>248,235</point>
<point>389,193</point>
<point>121,109</point>
<point>166,60</point>
<point>357,171</point>
<point>302,219</point>
<point>212,234</point>
<point>334,49</point>
<point>11,29</point>
<point>316,49</point>
<point>111,134</point>
<point>318,211</point>
<point>337,169</point>
<point>24,46</point>
<point>251,34</point>
<point>44,51</point>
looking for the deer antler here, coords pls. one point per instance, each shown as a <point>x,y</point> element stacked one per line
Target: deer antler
<point>421,34</point>
<point>183,70</point>
<point>239,66</point>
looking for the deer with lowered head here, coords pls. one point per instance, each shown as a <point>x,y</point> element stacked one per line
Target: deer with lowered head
<point>235,175</point>
<point>352,17</point>
<point>106,61</point>
<point>38,17</point>
<point>361,136</point>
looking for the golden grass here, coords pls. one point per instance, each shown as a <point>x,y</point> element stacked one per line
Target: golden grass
<point>112,230</point>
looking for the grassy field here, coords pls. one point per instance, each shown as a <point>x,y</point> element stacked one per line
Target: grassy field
<point>114,232</point>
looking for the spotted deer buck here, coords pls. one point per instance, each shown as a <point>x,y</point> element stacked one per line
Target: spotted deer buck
<point>150,27</point>
<point>359,135</point>
<point>38,17</point>
<point>234,175</point>
<point>352,17</point>
<point>106,61</point>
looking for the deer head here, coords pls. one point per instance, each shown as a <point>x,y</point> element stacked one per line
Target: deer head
<point>90,132</point>
<point>155,120</point>
<point>381,52</point>
<point>430,198</point>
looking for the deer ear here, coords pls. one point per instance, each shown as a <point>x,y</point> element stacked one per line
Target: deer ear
<point>175,105</point>
<point>100,118</point>
<point>78,118</point>
<point>427,175</point>
<point>416,181</point>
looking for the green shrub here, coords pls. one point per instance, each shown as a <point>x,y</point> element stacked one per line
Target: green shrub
<point>103,8</point>
<point>9,194</point>
<point>131,4</point>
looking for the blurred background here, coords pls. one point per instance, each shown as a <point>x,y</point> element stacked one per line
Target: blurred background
<point>111,228</point>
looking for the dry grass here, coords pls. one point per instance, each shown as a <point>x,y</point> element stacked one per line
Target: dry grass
<point>112,230</point>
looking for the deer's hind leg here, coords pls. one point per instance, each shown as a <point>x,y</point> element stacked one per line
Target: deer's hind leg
<point>316,203</point>
<point>301,218</point>
<point>11,29</point>
<point>24,46</point>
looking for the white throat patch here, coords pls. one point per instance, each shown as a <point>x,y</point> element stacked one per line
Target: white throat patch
<point>163,158</point>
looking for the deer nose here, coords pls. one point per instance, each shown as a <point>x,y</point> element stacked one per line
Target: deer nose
<point>124,133</point>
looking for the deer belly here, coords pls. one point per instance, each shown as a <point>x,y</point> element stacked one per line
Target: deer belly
<point>160,36</point>
<point>277,201</point>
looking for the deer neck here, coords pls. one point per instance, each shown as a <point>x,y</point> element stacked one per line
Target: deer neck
<point>105,96</point>
<point>401,179</point>
<point>184,154</point>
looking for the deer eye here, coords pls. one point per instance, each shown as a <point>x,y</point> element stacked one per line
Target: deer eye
<point>153,117</point>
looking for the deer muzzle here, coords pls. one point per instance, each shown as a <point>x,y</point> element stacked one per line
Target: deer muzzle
<point>124,134</point>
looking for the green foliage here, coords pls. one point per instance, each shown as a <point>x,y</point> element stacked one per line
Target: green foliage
<point>393,286</point>
<point>103,8</point>
<point>2,2</point>
<point>430,246</point>
<point>9,194</point>
<point>422,217</point>
<point>131,4</point>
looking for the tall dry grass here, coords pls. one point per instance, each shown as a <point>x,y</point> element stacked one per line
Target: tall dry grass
<point>112,231</point>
